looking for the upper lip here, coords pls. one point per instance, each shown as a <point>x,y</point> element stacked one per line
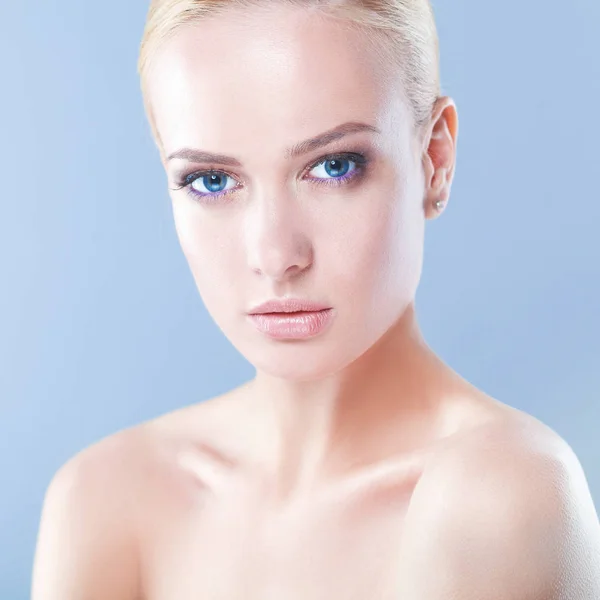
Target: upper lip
<point>287,305</point>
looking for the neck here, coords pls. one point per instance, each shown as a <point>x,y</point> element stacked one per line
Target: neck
<point>383,403</point>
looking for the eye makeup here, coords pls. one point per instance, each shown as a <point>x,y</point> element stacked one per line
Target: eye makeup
<point>359,159</point>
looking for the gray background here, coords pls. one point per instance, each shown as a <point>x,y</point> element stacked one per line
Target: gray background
<point>101,325</point>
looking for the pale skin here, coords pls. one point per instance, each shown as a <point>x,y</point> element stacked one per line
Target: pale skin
<point>356,464</point>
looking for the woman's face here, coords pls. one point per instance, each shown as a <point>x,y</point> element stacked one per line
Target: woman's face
<point>349,234</point>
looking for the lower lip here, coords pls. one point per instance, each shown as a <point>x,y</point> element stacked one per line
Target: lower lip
<point>296,326</point>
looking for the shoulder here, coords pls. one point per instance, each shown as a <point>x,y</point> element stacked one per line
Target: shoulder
<point>86,544</point>
<point>508,446</point>
<point>503,511</point>
<point>106,465</point>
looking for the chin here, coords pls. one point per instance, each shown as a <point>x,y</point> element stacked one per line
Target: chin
<point>299,361</point>
<point>296,367</point>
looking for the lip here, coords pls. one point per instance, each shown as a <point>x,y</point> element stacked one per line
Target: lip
<point>288,305</point>
<point>293,325</point>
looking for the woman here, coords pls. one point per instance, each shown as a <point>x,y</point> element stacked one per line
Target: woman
<point>305,145</point>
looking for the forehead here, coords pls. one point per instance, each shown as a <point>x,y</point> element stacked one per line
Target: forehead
<point>281,74</point>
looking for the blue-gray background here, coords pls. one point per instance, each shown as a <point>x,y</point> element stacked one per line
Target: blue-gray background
<point>101,325</point>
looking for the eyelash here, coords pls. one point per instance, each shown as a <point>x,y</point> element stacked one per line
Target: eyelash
<point>360,160</point>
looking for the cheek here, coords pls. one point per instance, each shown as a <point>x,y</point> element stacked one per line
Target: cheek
<point>382,250</point>
<point>207,251</point>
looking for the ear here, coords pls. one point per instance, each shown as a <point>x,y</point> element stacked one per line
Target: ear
<point>439,155</point>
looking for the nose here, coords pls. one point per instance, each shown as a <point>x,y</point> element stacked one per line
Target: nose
<point>278,245</point>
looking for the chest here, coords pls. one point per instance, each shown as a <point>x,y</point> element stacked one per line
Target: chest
<point>234,548</point>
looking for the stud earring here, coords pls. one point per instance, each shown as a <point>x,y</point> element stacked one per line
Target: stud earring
<point>439,204</point>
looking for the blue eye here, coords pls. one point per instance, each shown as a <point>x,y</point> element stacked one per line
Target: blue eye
<point>334,167</point>
<point>215,182</point>
<point>335,170</point>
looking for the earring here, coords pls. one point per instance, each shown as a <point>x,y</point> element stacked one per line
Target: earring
<point>439,204</point>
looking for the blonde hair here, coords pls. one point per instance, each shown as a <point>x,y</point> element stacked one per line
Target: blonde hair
<point>406,28</point>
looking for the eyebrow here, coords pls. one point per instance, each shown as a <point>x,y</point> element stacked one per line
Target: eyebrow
<point>201,156</point>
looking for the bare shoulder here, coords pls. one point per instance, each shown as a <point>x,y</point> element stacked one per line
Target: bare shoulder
<point>503,510</point>
<point>109,472</point>
<point>112,456</point>
<point>507,439</point>
<point>103,506</point>
<point>86,544</point>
